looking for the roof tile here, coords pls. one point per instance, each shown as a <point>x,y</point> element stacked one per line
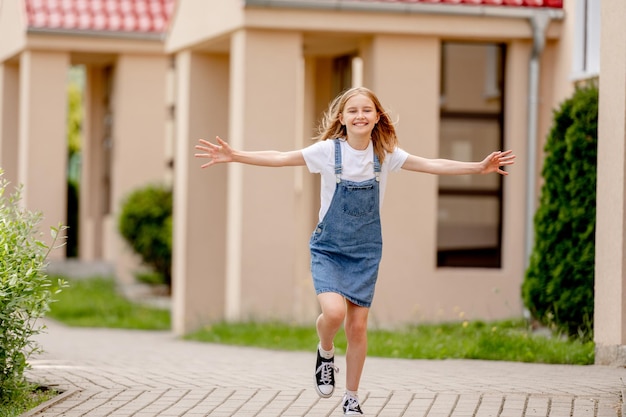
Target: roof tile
<point>148,16</point>
<point>153,16</point>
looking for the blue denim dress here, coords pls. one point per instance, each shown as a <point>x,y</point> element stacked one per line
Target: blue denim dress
<point>346,246</point>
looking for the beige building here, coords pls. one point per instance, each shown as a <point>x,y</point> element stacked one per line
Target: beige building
<point>456,77</point>
<point>120,46</point>
<point>461,78</point>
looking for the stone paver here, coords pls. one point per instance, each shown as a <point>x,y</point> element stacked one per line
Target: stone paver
<point>106,372</point>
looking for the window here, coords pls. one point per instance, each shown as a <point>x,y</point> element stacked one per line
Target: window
<point>342,73</point>
<point>586,39</point>
<point>469,225</point>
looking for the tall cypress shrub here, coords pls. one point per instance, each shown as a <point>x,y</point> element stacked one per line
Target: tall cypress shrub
<point>558,285</point>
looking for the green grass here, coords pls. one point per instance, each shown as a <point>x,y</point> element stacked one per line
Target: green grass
<point>26,401</point>
<point>504,340</point>
<point>95,302</point>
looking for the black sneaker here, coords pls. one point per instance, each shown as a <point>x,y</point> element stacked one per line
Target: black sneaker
<point>351,406</point>
<point>325,375</point>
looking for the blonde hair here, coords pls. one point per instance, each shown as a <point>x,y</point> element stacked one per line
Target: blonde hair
<point>383,135</point>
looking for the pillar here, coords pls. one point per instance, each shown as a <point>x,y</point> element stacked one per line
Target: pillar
<point>199,250</point>
<point>610,273</point>
<point>93,198</point>
<point>138,144</point>
<point>9,105</point>
<point>260,236</point>
<point>410,93</point>
<point>42,150</point>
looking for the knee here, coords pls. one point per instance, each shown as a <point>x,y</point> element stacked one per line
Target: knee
<point>334,315</point>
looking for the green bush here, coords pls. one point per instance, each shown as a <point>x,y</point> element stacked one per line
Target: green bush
<point>146,224</point>
<point>25,290</point>
<point>558,286</point>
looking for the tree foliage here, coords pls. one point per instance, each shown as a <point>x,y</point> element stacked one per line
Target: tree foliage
<point>558,286</point>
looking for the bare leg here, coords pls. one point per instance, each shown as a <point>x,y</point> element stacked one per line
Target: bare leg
<point>356,333</point>
<point>333,313</point>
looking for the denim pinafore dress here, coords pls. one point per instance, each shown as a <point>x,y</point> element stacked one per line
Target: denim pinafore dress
<point>346,246</point>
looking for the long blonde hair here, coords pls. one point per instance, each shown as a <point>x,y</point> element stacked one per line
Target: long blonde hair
<point>383,135</point>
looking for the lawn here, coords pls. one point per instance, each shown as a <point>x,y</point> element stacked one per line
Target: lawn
<point>96,303</point>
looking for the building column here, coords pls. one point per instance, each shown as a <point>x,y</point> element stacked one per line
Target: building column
<point>9,115</point>
<point>94,150</point>
<point>410,93</point>
<point>199,251</point>
<point>261,230</point>
<point>138,145</point>
<point>610,273</point>
<point>42,149</point>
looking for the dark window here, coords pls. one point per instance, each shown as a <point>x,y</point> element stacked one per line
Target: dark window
<point>469,224</point>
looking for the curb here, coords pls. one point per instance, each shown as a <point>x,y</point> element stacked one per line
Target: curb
<point>53,401</point>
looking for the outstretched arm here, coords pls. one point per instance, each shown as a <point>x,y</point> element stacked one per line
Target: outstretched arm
<point>221,153</point>
<point>492,163</point>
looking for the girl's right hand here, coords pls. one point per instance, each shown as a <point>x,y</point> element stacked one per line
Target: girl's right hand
<point>217,154</point>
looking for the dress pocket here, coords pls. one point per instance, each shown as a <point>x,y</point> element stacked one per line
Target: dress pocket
<point>359,200</point>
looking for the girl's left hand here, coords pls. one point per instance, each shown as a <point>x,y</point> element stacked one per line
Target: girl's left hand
<point>495,160</point>
<point>216,154</point>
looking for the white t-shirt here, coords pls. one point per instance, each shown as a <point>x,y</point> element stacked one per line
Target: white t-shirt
<point>357,166</point>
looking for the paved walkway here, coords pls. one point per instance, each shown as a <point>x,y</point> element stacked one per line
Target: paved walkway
<point>108,372</point>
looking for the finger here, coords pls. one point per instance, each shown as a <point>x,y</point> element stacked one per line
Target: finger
<point>203,155</point>
<point>221,142</point>
<point>205,142</point>
<point>208,164</point>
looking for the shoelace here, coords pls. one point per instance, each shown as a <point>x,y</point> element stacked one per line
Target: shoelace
<point>326,369</point>
<point>353,404</point>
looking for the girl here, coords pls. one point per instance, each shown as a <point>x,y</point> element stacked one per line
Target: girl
<point>346,245</point>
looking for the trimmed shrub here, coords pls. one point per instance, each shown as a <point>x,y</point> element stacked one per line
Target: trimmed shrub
<point>25,290</point>
<point>146,224</point>
<point>558,286</point>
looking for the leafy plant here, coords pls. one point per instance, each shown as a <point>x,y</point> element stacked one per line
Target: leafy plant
<point>25,289</point>
<point>146,224</point>
<point>558,286</point>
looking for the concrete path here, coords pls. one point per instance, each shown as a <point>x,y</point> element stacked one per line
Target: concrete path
<point>105,372</point>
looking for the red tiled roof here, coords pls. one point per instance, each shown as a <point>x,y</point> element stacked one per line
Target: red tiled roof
<point>138,16</point>
<point>153,16</point>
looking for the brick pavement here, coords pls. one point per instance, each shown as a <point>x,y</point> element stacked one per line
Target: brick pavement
<point>106,372</point>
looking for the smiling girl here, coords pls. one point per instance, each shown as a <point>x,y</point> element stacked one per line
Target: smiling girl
<point>356,150</point>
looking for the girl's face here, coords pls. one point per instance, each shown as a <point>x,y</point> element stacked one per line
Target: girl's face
<point>359,115</point>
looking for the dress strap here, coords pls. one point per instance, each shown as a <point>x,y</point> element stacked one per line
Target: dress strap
<point>376,167</point>
<point>338,166</point>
